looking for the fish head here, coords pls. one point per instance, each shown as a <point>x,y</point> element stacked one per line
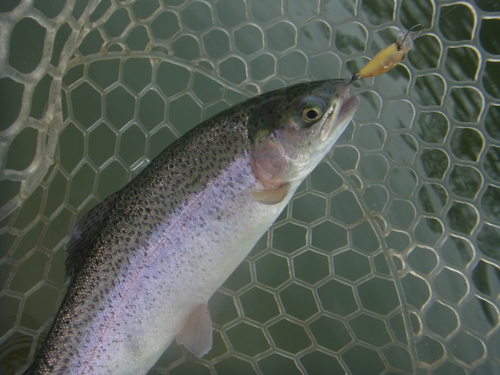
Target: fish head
<point>292,129</point>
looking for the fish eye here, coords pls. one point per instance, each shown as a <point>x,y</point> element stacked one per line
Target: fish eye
<point>310,114</point>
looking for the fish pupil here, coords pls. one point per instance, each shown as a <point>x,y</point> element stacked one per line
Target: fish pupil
<point>311,114</point>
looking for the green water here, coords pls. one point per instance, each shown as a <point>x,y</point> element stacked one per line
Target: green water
<point>386,261</point>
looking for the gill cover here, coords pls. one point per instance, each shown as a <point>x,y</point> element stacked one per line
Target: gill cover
<point>284,132</point>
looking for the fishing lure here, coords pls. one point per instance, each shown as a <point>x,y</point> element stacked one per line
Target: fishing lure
<point>394,53</point>
<point>389,57</point>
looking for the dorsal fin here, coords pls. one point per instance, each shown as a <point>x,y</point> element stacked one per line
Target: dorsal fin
<point>83,235</point>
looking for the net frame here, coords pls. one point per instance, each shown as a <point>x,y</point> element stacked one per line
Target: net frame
<point>419,168</point>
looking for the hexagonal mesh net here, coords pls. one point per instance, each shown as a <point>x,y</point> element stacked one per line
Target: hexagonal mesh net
<point>385,262</point>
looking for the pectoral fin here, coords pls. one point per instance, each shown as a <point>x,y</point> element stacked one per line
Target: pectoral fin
<point>196,332</point>
<point>271,196</point>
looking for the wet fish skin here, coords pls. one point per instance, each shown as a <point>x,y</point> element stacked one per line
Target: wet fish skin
<point>143,259</point>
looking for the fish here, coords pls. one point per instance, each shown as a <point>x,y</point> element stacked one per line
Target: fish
<point>144,262</point>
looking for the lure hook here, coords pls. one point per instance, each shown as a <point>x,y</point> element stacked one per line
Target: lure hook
<point>390,56</point>
<point>394,53</point>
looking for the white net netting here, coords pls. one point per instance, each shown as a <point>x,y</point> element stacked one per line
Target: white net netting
<point>386,261</point>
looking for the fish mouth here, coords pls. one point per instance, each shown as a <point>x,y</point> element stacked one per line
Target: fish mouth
<point>340,115</point>
<point>349,106</point>
<point>344,91</point>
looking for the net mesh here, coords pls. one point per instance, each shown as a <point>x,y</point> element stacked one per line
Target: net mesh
<point>386,261</point>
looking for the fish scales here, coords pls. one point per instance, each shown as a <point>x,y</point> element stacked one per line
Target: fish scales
<point>164,243</point>
<point>149,203</point>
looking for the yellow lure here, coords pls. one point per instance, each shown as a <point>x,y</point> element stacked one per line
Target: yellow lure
<point>387,58</point>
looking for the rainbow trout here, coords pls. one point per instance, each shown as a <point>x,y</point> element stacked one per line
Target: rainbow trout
<point>145,261</point>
